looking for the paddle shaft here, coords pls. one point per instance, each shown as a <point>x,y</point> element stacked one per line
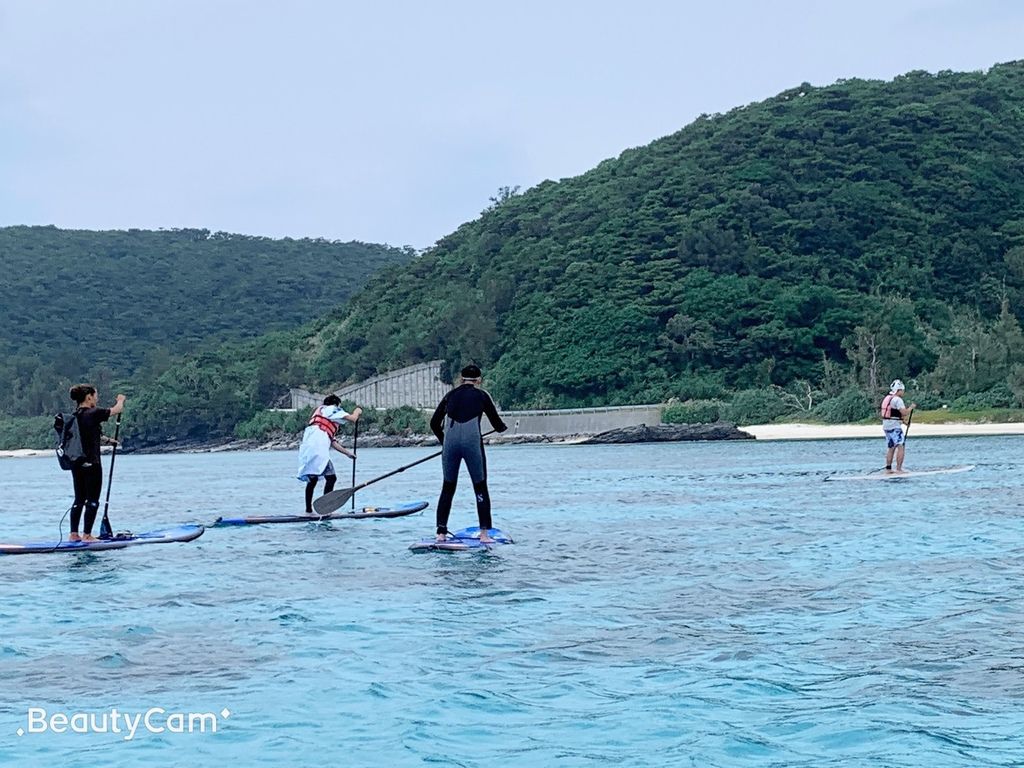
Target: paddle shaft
<point>351,491</point>
<point>910,418</point>
<point>355,442</point>
<point>105,529</point>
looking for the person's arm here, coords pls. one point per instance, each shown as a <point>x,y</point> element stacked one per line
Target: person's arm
<point>437,420</point>
<point>492,414</point>
<point>905,412</point>
<point>336,445</point>
<point>354,416</point>
<point>118,406</point>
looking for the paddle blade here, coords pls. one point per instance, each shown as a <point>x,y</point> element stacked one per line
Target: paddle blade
<point>333,501</point>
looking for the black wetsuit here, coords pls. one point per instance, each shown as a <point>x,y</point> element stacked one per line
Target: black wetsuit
<point>456,422</point>
<point>88,478</point>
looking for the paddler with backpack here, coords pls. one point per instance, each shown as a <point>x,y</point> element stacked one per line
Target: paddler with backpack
<point>81,434</point>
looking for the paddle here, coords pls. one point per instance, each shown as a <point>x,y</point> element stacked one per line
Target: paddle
<point>335,500</point>
<point>910,420</point>
<point>106,532</point>
<point>355,441</point>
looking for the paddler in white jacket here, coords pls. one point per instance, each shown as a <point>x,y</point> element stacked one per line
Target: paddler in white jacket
<point>317,440</point>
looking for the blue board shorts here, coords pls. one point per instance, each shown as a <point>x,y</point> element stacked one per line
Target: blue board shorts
<point>894,437</point>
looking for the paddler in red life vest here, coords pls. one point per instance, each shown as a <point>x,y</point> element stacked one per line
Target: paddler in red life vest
<point>895,413</point>
<point>317,440</point>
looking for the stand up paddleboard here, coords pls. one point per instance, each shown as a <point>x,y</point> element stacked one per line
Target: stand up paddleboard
<point>120,541</point>
<point>881,475</point>
<point>461,541</point>
<point>360,514</point>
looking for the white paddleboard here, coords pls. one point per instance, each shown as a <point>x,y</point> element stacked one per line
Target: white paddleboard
<point>120,541</point>
<point>882,475</point>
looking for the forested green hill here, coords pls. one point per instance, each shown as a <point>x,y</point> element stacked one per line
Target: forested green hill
<point>821,239</point>
<point>791,256</point>
<point>107,305</point>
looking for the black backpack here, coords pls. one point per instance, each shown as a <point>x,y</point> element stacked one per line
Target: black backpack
<point>70,453</point>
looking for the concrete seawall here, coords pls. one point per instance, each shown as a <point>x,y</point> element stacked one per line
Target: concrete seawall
<point>579,421</point>
<point>569,421</point>
<point>419,386</point>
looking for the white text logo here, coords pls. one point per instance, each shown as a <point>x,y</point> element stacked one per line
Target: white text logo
<point>128,724</point>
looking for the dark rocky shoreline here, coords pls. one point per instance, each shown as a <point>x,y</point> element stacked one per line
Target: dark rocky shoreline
<point>662,433</point>
<point>635,434</point>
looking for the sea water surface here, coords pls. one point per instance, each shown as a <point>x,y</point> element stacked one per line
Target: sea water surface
<point>706,604</point>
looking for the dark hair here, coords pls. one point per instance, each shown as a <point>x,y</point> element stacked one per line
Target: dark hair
<point>471,372</point>
<point>81,391</point>
<point>332,400</point>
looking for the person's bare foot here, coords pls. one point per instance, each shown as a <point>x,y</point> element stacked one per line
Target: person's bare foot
<point>440,538</point>
<point>485,538</point>
<point>74,537</point>
<point>89,537</point>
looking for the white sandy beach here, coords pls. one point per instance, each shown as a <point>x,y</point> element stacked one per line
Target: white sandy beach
<point>23,453</point>
<point>776,432</point>
<point>841,431</point>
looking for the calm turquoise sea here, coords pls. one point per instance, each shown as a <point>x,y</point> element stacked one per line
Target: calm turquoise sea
<point>711,604</point>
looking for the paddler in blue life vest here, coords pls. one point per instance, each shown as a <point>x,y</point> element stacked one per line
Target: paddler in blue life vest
<point>317,440</point>
<point>895,413</point>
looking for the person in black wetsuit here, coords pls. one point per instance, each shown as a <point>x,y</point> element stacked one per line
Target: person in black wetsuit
<point>456,422</point>
<point>88,478</point>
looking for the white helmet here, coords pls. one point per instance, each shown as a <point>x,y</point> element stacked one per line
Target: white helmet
<point>896,386</point>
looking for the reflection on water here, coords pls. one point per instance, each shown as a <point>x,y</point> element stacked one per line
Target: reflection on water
<point>705,604</point>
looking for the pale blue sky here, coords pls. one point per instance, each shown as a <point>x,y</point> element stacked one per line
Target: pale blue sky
<point>395,121</point>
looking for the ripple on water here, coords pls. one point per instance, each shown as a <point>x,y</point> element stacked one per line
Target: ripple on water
<point>687,604</point>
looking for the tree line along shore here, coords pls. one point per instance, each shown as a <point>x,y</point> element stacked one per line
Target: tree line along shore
<point>279,440</point>
<point>781,262</point>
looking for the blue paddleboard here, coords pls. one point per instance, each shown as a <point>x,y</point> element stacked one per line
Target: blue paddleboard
<point>121,541</point>
<point>364,513</point>
<point>468,539</point>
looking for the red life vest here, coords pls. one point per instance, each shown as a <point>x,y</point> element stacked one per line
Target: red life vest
<point>888,412</point>
<point>321,421</point>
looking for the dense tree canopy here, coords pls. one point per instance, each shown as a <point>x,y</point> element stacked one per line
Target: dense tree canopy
<point>108,305</point>
<point>859,224</point>
<point>793,254</point>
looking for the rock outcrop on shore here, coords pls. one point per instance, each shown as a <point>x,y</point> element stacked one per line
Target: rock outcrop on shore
<point>637,434</point>
<point>669,433</point>
<point>291,442</point>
